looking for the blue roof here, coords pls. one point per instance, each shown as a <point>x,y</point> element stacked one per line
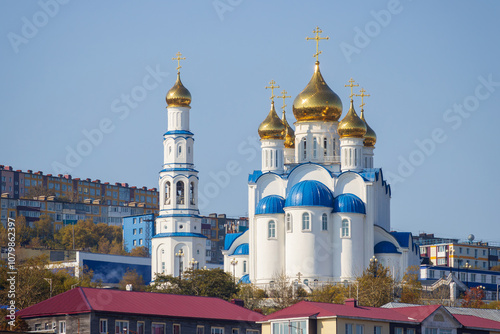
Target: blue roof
<point>349,203</point>
<point>179,234</point>
<point>230,239</point>
<point>309,193</point>
<point>403,238</point>
<point>241,250</point>
<point>270,204</point>
<point>178,132</point>
<point>385,247</point>
<point>252,178</point>
<point>245,279</point>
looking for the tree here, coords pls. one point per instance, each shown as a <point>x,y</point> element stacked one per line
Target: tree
<point>330,293</point>
<point>251,296</point>
<point>375,285</point>
<point>198,282</point>
<point>495,268</point>
<point>132,277</point>
<point>283,292</point>
<point>473,298</point>
<point>411,287</point>
<point>23,231</point>
<point>39,190</point>
<point>140,251</point>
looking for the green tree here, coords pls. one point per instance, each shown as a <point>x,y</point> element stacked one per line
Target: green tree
<point>23,231</point>
<point>43,229</point>
<point>411,291</point>
<point>198,282</point>
<point>330,293</point>
<point>132,277</point>
<point>251,296</point>
<point>39,191</point>
<point>375,285</point>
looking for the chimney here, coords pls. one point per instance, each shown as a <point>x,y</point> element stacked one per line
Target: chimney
<point>238,302</point>
<point>351,302</point>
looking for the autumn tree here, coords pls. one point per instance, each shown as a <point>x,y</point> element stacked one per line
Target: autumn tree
<point>330,293</point>
<point>473,298</point>
<point>39,190</point>
<point>375,285</point>
<point>283,291</point>
<point>23,231</point>
<point>133,278</point>
<point>251,296</point>
<point>140,251</point>
<point>411,290</point>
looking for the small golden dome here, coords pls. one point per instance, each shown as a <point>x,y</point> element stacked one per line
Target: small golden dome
<point>351,125</point>
<point>289,133</point>
<point>272,127</point>
<point>178,95</point>
<point>370,136</point>
<point>317,102</point>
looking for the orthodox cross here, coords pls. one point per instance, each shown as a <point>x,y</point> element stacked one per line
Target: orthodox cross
<point>362,91</point>
<point>179,58</point>
<point>351,84</point>
<point>284,96</point>
<point>317,31</point>
<point>272,82</point>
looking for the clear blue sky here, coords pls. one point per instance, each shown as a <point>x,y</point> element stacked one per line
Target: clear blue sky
<point>66,69</point>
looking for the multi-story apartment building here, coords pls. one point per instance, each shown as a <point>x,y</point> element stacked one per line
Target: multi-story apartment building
<point>17,184</point>
<point>474,255</point>
<point>430,239</point>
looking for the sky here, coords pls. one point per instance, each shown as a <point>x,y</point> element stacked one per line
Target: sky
<point>84,82</point>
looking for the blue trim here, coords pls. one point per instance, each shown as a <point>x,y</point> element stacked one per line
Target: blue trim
<point>252,178</point>
<point>245,279</point>
<point>348,203</point>
<point>270,205</point>
<point>242,249</point>
<point>463,270</point>
<point>180,234</point>
<point>184,175</point>
<point>178,132</point>
<point>309,193</point>
<point>230,238</point>
<point>385,247</point>
<point>179,170</point>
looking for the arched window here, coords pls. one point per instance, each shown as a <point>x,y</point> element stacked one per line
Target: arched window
<point>179,150</point>
<point>346,233</point>
<point>244,267</point>
<point>267,158</point>
<point>305,148</point>
<point>167,192</point>
<point>315,148</point>
<point>169,149</point>
<point>324,222</point>
<point>289,222</point>
<point>306,225</point>
<point>271,159</point>
<point>271,229</point>
<point>180,192</point>
<point>191,193</point>
<point>325,141</point>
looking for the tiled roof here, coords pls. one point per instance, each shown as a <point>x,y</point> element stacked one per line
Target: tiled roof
<point>306,309</point>
<point>84,300</point>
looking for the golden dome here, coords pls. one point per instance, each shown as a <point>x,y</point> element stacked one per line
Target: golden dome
<point>351,125</point>
<point>178,95</point>
<point>289,133</point>
<point>370,136</point>
<point>317,102</point>
<point>272,127</point>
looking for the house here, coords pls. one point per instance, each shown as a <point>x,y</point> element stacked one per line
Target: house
<point>99,311</point>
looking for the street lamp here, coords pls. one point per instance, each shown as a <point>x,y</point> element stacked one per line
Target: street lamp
<point>234,262</point>
<point>467,266</point>
<point>193,263</point>
<point>180,255</point>
<point>374,261</point>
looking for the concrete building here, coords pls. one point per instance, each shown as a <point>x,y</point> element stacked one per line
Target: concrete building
<point>138,231</point>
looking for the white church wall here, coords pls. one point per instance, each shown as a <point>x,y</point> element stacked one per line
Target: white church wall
<point>269,184</point>
<point>351,183</point>
<point>310,172</point>
<point>270,255</point>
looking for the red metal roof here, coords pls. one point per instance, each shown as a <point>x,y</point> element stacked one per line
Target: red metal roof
<point>315,309</point>
<point>84,300</point>
<point>477,322</point>
<point>419,313</point>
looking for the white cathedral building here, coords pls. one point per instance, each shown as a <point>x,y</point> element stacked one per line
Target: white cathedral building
<point>318,209</point>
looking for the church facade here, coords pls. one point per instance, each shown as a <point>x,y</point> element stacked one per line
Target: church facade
<point>318,209</point>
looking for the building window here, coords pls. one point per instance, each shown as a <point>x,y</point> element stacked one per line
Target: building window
<point>377,330</point>
<point>158,328</point>
<point>180,192</point>
<point>324,222</point>
<point>191,193</point>
<point>252,331</point>
<point>305,149</point>
<point>121,327</point>
<point>62,327</point>
<point>493,279</point>
<point>325,141</point>
<point>315,149</point>
<point>140,241</point>
<point>134,242</point>
<point>271,229</point>
<point>167,192</point>
<point>348,328</point>
<point>244,267</point>
<point>134,231</point>
<point>217,330</point>
<point>398,330</point>
<point>360,329</point>
<point>177,329</point>
<point>429,331</point>
<point>346,233</point>
<point>200,330</point>
<point>306,225</point>
<point>472,277</point>
<point>235,331</point>
<point>289,222</point>
<point>483,278</point>
<point>410,331</point>
<point>140,230</point>
<point>141,328</point>
<point>179,150</point>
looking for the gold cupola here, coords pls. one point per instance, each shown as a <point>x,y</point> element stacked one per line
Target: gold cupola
<point>351,125</point>
<point>289,133</point>
<point>272,127</point>
<point>370,136</point>
<point>317,102</point>
<point>178,95</point>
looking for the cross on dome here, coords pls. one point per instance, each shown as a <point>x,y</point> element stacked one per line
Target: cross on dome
<point>272,86</point>
<point>317,31</point>
<point>179,58</point>
<point>362,95</point>
<point>284,97</point>
<point>351,84</point>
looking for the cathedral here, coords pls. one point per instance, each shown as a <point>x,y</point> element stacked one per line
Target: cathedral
<point>318,209</point>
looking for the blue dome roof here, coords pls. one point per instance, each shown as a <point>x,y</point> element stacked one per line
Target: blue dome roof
<point>349,203</point>
<point>309,193</point>
<point>241,250</point>
<point>385,247</point>
<point>270,204</point>
<point>245,279</point>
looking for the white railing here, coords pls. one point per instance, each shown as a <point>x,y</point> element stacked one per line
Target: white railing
<point>324,159</point>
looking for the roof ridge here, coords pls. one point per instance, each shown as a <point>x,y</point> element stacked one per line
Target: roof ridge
<point>82,293</point>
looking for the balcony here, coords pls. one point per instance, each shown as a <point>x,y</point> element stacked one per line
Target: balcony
<point>322,160</point>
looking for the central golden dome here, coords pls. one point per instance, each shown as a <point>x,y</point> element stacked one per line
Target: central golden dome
<point>317,102</point>
<point>370,136</point>
<point>351,125</point>
<point>272,127</point>
<point>178,95</point>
